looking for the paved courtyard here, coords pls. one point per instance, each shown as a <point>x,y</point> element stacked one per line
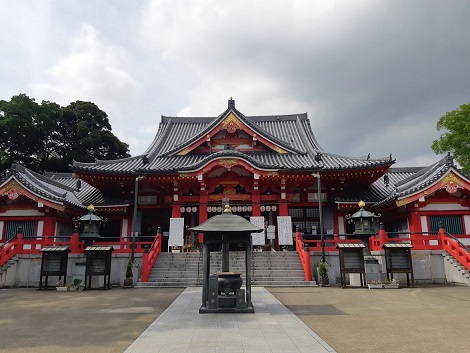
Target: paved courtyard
<point>423,319</point>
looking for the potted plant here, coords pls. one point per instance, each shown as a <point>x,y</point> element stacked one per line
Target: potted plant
<point>268,247</point>
<point>390,284</point>
<point>60,286</point>
<point>375,285</point>
<point>129,281</point>
<point>76,285</point>
<point>323,274</point>
<point>189,248</point>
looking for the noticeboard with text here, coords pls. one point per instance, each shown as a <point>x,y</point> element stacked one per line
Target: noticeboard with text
<point>176,236</point>
<point>284,230</point>
<point>257,238</point>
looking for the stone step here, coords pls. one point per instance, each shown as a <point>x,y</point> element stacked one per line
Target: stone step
<point>183,284</point>
<point>268,269</point>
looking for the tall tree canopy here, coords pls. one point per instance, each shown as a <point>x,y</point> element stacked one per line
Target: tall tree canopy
<point>49,137</point>
<point>456,135</point>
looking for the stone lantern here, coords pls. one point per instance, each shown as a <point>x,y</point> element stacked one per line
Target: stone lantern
<point>89,226</point>
<point>365,223</point>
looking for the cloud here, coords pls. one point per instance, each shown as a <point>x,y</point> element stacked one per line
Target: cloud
<point>360,69</point>
<point>368,73</point>
<point>90,71</point>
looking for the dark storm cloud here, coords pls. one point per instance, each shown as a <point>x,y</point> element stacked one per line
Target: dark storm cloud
<point>373,76</point>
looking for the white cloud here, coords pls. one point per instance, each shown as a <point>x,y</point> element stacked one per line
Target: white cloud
<point>368,73</point>
<point>91,71</point>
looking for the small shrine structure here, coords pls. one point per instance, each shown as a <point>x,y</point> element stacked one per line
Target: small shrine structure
<point>221,292</point>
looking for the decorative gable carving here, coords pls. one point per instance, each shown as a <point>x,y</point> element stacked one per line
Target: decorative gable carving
<point>234,133</point>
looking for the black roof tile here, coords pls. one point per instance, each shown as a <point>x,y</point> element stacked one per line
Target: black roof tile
<point>292,132</point>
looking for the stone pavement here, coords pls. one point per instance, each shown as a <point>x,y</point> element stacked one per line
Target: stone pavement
<point>425,319</point>
<point>272,328</point>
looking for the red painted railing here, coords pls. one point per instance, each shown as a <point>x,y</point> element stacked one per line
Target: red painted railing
<point>419,241</point>
<point>330,244</point>
<point>454,247</point>
<point>10,249</point>
<point>151,256</point>
<point>304,256</point>
<point>21,245</point>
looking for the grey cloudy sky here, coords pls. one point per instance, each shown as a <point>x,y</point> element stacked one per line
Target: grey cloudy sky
<point>373,76</point>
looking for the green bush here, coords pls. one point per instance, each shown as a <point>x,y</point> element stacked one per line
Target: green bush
<point>129,273</point>
<point>322,270</point>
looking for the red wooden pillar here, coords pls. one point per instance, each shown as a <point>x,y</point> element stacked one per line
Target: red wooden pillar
<point>203,203</point>
<point>283,208</point>
<point>49,227</point>
<point>175,211</point>
<point>256,204</point>
<point>75,242</point>
<point>415,222</point>
<point>19,242</point>
<point>203,207</point>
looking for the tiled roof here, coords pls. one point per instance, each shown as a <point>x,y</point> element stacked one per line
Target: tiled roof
<point>61,188</point>
<point>84,192</point>
<point>402,181</point>
<point>44,187</point>
<point>408,181</point>
<point>291,132</point>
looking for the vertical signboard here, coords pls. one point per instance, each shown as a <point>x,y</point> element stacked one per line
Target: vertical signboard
<point>271,232</point>
<point>257,238</point>
<point>284,230</point>
<point>176,236</point>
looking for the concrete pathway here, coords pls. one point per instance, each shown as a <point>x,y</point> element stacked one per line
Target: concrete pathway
<point>272,328</point>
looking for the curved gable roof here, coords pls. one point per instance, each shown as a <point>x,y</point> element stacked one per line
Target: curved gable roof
<point>409,184</point>
<point>42,187</point>
<point>290,137</point>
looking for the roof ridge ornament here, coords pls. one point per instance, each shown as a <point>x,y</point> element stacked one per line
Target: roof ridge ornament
<point>231,103</point>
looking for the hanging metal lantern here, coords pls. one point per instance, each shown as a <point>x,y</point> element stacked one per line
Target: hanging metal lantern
<point>89,226</point>
<point>365,222</point>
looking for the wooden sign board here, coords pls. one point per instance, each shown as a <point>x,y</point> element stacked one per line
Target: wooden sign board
<point>176,236</point>
<point>258,238</point>
<point>353,259</point>
<point>284,230</point>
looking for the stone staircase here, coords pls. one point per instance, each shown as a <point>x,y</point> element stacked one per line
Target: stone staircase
<point>269,269</point>
<point>4,271</point>
<point>455,272</point>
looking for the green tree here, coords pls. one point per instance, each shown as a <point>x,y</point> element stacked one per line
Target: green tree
<point>456,135</point>
<point>20,130</point>
<point>85,134</point>
<point>49,137</point>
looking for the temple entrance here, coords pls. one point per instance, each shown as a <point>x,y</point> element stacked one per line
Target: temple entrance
<point>151,220</point>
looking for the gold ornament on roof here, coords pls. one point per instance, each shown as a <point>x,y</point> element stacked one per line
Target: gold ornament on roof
<point>231,121</point>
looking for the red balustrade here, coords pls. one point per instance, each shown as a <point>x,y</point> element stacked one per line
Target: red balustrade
<point>420,241</point>
<point>329,244</point>
<point>304,256</point>
<point>453,246</point>
<point>150,257</point>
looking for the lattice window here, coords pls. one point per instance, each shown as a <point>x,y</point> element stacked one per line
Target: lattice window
<point>28,228</point>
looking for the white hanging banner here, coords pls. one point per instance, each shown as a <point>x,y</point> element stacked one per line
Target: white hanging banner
<point>271,232</point>
<point>176,237</point>
<point>284,230</point>
<point>257,238</point>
